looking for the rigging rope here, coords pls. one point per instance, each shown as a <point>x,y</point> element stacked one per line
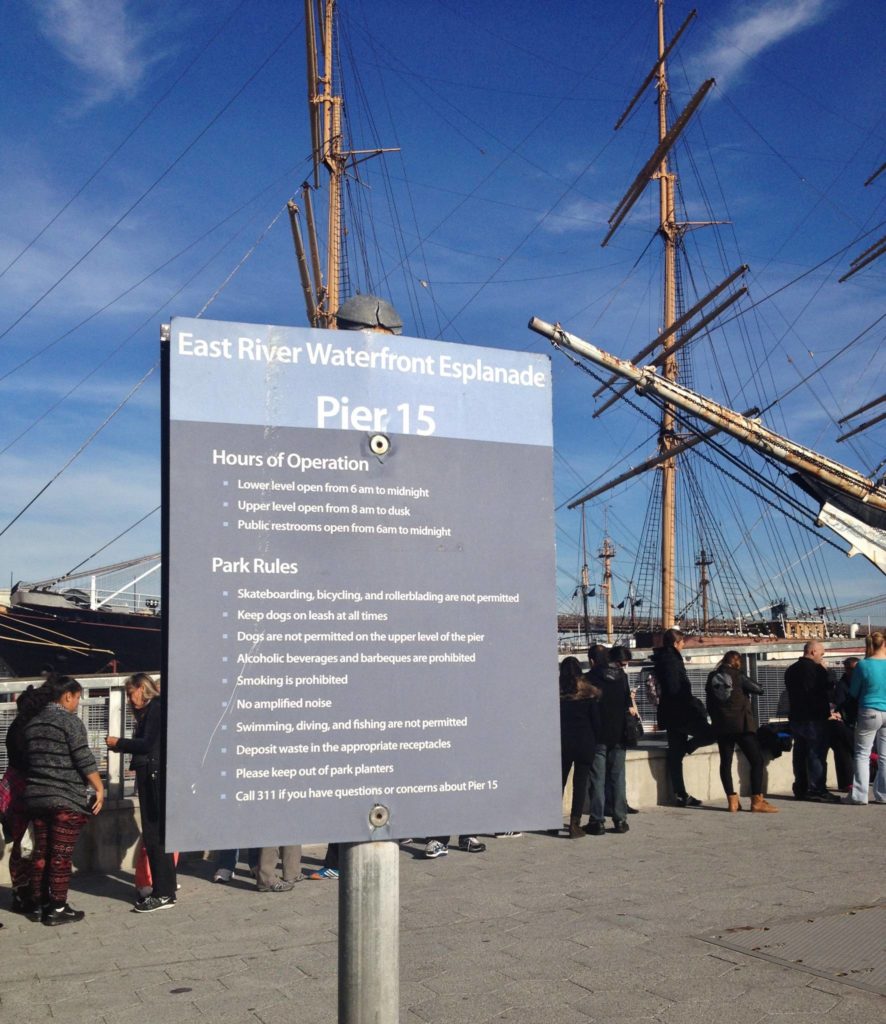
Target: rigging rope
<point>125,139</point>
<point>79,451</point>
<point>168,170</point>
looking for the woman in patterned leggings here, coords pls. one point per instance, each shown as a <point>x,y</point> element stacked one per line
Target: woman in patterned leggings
<point>60,765</point>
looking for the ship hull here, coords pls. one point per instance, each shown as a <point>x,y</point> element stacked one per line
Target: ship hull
<point>73,641</point>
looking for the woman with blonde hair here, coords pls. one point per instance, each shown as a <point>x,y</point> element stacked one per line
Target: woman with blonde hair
<point>868,687</point>
<point>145,746</point>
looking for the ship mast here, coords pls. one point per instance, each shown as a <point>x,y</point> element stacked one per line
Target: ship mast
<point>585,581</point>
<point>606,554</point>
<point>322,293</point>
<point>674,332</point>
<point>703,561</point>
<point>668,230</point>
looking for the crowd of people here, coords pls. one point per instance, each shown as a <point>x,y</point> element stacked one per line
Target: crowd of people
<point>847,716</point>
<point>821,716</point>
<point>53,785</point>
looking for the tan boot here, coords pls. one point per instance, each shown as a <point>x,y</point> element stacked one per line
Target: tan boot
<point>575,829</point>
<point>759,803</point>
<point>734,805</point>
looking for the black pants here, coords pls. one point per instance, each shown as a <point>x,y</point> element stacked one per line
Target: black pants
<point>748,744</point>
<point>162,864</point>
<point>681,743</point>
<point>841,740</point>
<point>580,778</point>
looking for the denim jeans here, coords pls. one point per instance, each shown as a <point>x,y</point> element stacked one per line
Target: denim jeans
<point>815,736</point>
<point>870,727</point>
<point>609,762</point>
<point>229,858</point>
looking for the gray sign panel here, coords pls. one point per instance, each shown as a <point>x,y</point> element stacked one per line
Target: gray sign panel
<point>350,628</point>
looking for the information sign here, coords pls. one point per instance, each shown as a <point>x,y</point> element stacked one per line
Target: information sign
<point>360,574</point>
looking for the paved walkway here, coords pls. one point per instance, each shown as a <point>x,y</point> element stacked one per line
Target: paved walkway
<point>537,930</point>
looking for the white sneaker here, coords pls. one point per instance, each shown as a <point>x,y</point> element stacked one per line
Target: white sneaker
<point>222,875</point>
<point>508,835</point>
<point>436,849</point>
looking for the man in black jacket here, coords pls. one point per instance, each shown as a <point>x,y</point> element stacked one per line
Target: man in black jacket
<point>807,684</point>
<point>681,714</point>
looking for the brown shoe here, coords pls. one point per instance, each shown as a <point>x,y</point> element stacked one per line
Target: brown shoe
<point>759,803</point>
<point>575,829</point>
<point>734,805</point>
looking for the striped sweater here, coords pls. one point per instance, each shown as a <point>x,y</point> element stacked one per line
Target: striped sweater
<point>59,759</point>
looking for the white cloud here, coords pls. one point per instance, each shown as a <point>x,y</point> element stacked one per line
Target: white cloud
<point>103,39</point>
<point>757,28</point>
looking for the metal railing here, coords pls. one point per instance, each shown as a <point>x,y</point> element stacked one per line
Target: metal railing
<point>104,711</point>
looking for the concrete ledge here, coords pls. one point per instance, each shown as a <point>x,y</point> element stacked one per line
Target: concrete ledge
<point>108,843</point>
<point>647,780</point>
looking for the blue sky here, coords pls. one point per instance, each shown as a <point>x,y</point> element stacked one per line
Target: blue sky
<point>176,133</point>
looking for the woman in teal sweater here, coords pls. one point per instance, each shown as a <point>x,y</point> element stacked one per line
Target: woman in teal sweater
<point>868,687</point>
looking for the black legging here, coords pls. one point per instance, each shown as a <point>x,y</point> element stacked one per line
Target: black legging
<point>580,777</point>
<point>748,744</point>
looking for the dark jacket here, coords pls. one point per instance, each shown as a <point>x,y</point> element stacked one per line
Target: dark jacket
<point>731,712</point>
<point>843,701</point>
<point>146,742</point>
<point>615,700</point>
<point>675,704</point>
<point>59,760</point>
<point>807,686</point>
<point>577,733</point>
<point>16,745</point>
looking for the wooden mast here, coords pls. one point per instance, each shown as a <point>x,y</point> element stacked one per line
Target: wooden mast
<point>668,231</point>
<point>585,581</point>
<point>704,560</point>
<point>323,297</point>
<point>607,553</point>
<point>334,159</point>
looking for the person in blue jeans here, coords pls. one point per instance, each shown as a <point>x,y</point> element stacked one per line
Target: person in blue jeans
<point>227,861</point>
<point>609,754</point>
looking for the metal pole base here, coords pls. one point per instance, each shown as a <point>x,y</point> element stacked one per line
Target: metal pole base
<point>369,933</point>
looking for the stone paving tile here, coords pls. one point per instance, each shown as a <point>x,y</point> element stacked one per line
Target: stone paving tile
<point>540,1015</point>
<point>36,1010</point>
<point>174,1010</point>
<point>287,1011</point>
<point>611,1002</point>
<point>472,1009</point>
<point>213,967</point>
<point>706,1011</point>
<point>464,983</point>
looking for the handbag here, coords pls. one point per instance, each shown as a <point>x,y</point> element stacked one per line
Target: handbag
<point>12,788</point>
<point>698,715</point>
<point>633,730</point>
<point>5,794</point>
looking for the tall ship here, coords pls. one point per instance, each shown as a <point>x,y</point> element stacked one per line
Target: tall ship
<point>664,516</point>
<point>688,571</point>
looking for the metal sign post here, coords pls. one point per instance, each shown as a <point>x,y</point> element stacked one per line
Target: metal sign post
<point>361,604</point>
<point>369,933</point>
